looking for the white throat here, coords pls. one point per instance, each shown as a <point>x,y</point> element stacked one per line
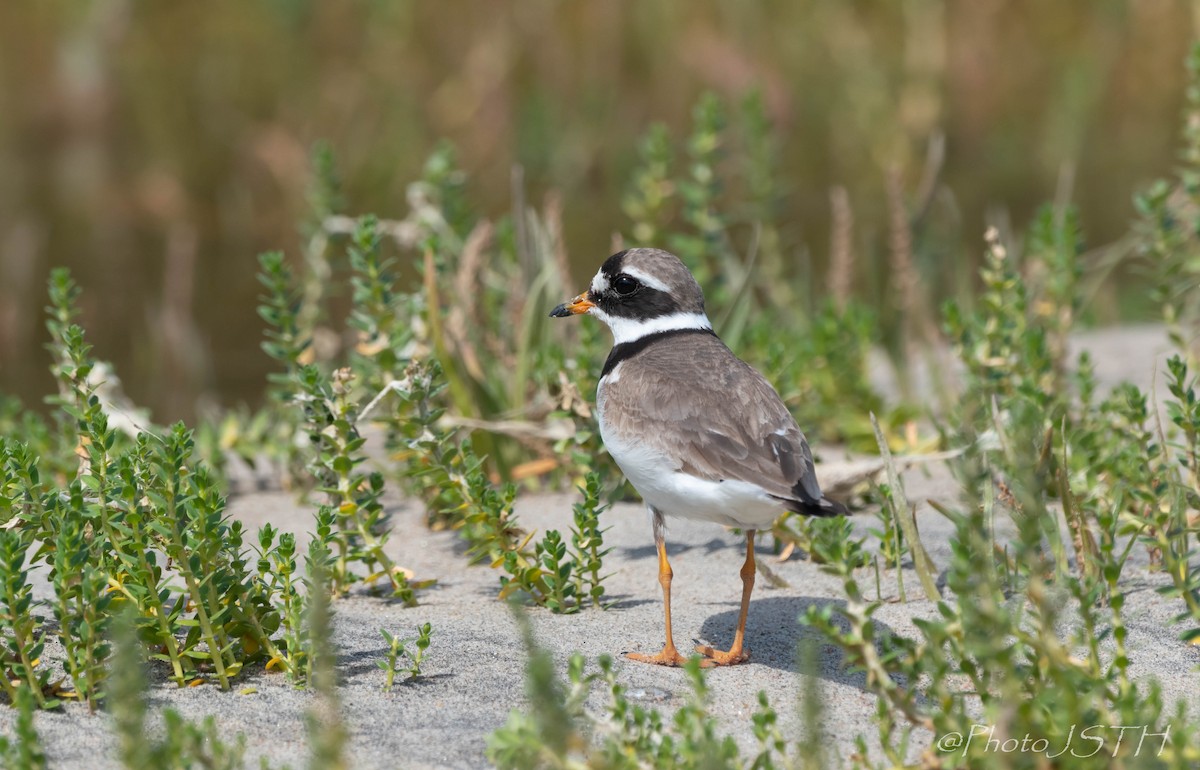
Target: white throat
<point>631,329</point>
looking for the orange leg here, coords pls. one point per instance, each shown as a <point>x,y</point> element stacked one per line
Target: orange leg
<point>669,655</point>
<point>737,653</point>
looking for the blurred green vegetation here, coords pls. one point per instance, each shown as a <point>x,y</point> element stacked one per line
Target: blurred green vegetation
<point>155,148</point>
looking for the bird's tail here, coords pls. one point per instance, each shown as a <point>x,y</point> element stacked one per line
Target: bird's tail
<point>826,507</point>
<point>822,506</point>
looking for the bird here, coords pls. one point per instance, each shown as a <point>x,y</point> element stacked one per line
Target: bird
<point>699,433</point>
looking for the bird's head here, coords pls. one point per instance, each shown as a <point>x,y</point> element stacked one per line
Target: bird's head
<point>640,291</point>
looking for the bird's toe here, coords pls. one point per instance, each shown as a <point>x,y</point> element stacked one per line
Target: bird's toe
<point>716,657</point>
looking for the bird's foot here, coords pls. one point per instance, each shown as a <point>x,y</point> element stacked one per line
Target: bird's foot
<point>668,657</point>
<point>715,657</point>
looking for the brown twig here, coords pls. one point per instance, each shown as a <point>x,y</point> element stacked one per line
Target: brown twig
<point>841,247</point>
<point>466,285</point>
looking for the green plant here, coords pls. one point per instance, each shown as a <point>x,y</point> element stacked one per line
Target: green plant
<point>765,204</point>
<point>587,540</point>
<point>905,518</point>
<point>563,577</point>
<point>137,526</point>
<point>811,750</point>
<point>441,203</point>
<point>706,250</point>
<point>21,630</point>
<point>285,342</point>
<point>82,609</point>
<point>1006,355</point>
<point>1011,389</point>
<point>892,545</point>
<point>183,744</point>
<point>822,373</point>
<point>434,468</point>
<point>290,311</point>
<point>398,648</point>
<point>23,750</point>
<point>1184,411</point>
<point>1167,226</point>
<point>24,491</point>
<point>1016,640</point>
<point>823,539</point>
<point>1017,656</point>
<point>331,419</point>
<point>488,522</point>
<point>651,188</point>
<point>1055,243</point>
<point>384,319</point>
<point>44,451</point>
<point>135,501</point>
<point>197,539</point>
<point>281,584</point>
<point>141,579</point>
<point>186,744</point>
<point>558,731</point>
<point>1174,525</point>
<point>454,483</point>
<point>553,576</point>
<point>452,479</point>
<point>510,269</point>
<point>832,540</point>
<point>326,730</point>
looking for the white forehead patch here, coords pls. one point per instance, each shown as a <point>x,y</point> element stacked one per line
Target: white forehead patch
<point>646,279</point>
<point>600,283</point>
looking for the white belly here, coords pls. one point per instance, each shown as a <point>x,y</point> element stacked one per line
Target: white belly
<point>675,493</point>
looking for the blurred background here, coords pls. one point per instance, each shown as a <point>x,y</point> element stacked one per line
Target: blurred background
<point>155,148</point>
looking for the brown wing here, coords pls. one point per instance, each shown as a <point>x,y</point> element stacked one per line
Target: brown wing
<point>731,425</point>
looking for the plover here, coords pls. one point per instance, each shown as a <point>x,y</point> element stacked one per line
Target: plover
<point>698,432</point>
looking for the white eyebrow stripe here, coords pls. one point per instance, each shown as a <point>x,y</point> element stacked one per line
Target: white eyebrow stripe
<point>646,279</point>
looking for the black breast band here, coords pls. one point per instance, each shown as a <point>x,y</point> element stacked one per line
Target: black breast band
<point>629,349</point>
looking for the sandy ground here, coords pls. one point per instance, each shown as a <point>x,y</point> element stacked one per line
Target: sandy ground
<point>475,670</point>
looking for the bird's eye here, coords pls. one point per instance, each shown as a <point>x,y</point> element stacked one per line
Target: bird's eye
<point>625,285</point>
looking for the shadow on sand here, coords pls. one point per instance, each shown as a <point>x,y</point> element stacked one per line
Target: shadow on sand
<point>774,636</point>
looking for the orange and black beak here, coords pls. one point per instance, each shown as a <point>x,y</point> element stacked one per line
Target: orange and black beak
<point>580,304</point>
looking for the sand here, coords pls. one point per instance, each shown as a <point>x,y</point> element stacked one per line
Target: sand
<point>474,674</point>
